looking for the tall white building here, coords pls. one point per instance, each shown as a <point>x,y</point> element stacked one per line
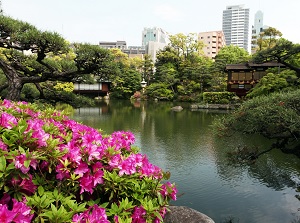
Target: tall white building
<point>154,39</point>
<point>236,25</point>
<point>257,29</point>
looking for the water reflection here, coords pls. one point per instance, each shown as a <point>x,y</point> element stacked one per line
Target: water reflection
<point>182,143</point>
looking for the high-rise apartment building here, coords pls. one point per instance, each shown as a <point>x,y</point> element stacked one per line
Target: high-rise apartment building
<point>213,42</point>
<point>236,25</point>
<point>257,29</point>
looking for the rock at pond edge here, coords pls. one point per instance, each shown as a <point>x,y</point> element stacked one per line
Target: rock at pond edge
<point>182,214</point>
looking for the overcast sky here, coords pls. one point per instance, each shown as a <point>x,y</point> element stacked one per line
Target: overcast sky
<point>91,21</point>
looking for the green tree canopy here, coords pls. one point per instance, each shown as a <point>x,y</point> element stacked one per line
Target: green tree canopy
<point>268,38</point>
<point>29,55</point>
<point>231,55</point>
<point>284,51</point>
<point>275,116</point>
<point>186,45</point>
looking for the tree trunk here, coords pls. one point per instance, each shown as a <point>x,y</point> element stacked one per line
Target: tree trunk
<point>15,83</point>
<point>14,90</point>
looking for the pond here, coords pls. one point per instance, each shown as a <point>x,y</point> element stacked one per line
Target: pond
<point>183,143</point>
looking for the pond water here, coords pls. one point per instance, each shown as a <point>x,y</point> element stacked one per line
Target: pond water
<point>182,143</point>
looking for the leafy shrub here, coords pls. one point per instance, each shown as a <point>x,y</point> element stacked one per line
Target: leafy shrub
<point>218,97</point>
<point>274,83</point>
<point>275,116</point>
<point>160,91</point>
<point>53,169</point>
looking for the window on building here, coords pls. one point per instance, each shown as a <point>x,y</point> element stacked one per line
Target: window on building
<point>259,74</point>
<point>243,76</point>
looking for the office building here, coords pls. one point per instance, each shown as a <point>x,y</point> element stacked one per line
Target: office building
<point>154,39</point>
<point>154,34</point>
<point>122,45</point>
<point>135,51</point>
<point>213,42</point>
<point>236,25</point>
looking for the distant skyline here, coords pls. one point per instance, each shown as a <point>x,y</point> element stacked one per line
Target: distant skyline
<point>92,21</point>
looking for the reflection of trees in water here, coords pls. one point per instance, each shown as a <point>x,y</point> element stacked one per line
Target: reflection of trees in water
<point>274,169</point>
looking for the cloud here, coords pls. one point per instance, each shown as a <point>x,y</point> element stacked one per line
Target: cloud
<point>168,12</point>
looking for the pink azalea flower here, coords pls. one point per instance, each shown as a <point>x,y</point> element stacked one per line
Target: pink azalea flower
<point>92,151</point>
<point>73,152</point>
<point>5,199</point>
<point>86,183</point>
<point>7,103</point>
<point>138,215</point>
<point>115,161</point>
<point>41,137</point>
<point>62,172</point>
<point>98,177</point>
<point>82,169</point>
<point>8,120</point>
<point>6,216</point>
<point>97,166</point>
<point>168,189</point>
<point>94,214</point>
<point>24,185</point>
<point>19,163</point>
<point>27,186</point>
<point>3,146</point>
<point>116,219</point>
<point>44,165</point>
<point>127,167</point>
<point>22,212</point>
<point>98,215</point>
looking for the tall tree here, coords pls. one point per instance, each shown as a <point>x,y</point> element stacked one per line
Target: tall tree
<point>268,38</point>
<point>231,55</point>
<point>284,52</point>
<point>186,45</point>
<point>27,57</point>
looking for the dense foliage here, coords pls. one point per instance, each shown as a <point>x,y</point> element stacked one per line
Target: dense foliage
<point>46,63</point>
<point>218,97</point>
<point>53,169</point>
<point>275,82</point>
<point>275,116</point>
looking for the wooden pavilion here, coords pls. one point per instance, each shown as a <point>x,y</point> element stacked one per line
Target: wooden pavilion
<point>243,77</point>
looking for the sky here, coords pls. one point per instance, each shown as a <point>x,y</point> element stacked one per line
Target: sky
<point>92,21</point>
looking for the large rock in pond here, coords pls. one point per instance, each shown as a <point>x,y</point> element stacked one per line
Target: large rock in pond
<point>177,108</point>
<point>182,214</point>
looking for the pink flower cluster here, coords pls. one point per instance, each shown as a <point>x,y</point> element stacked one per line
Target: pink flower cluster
<point>85,156</point>
<point>94,214</point>
<point>19,213</point>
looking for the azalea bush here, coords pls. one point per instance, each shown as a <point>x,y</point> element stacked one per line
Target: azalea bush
<point>54,169</point>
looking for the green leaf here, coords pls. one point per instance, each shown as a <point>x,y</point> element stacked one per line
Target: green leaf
<point>27,163</point>
<point>40,190</point>
<point>2,163</point>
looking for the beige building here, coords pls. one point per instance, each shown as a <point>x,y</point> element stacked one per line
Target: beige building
<point>213,42</point>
